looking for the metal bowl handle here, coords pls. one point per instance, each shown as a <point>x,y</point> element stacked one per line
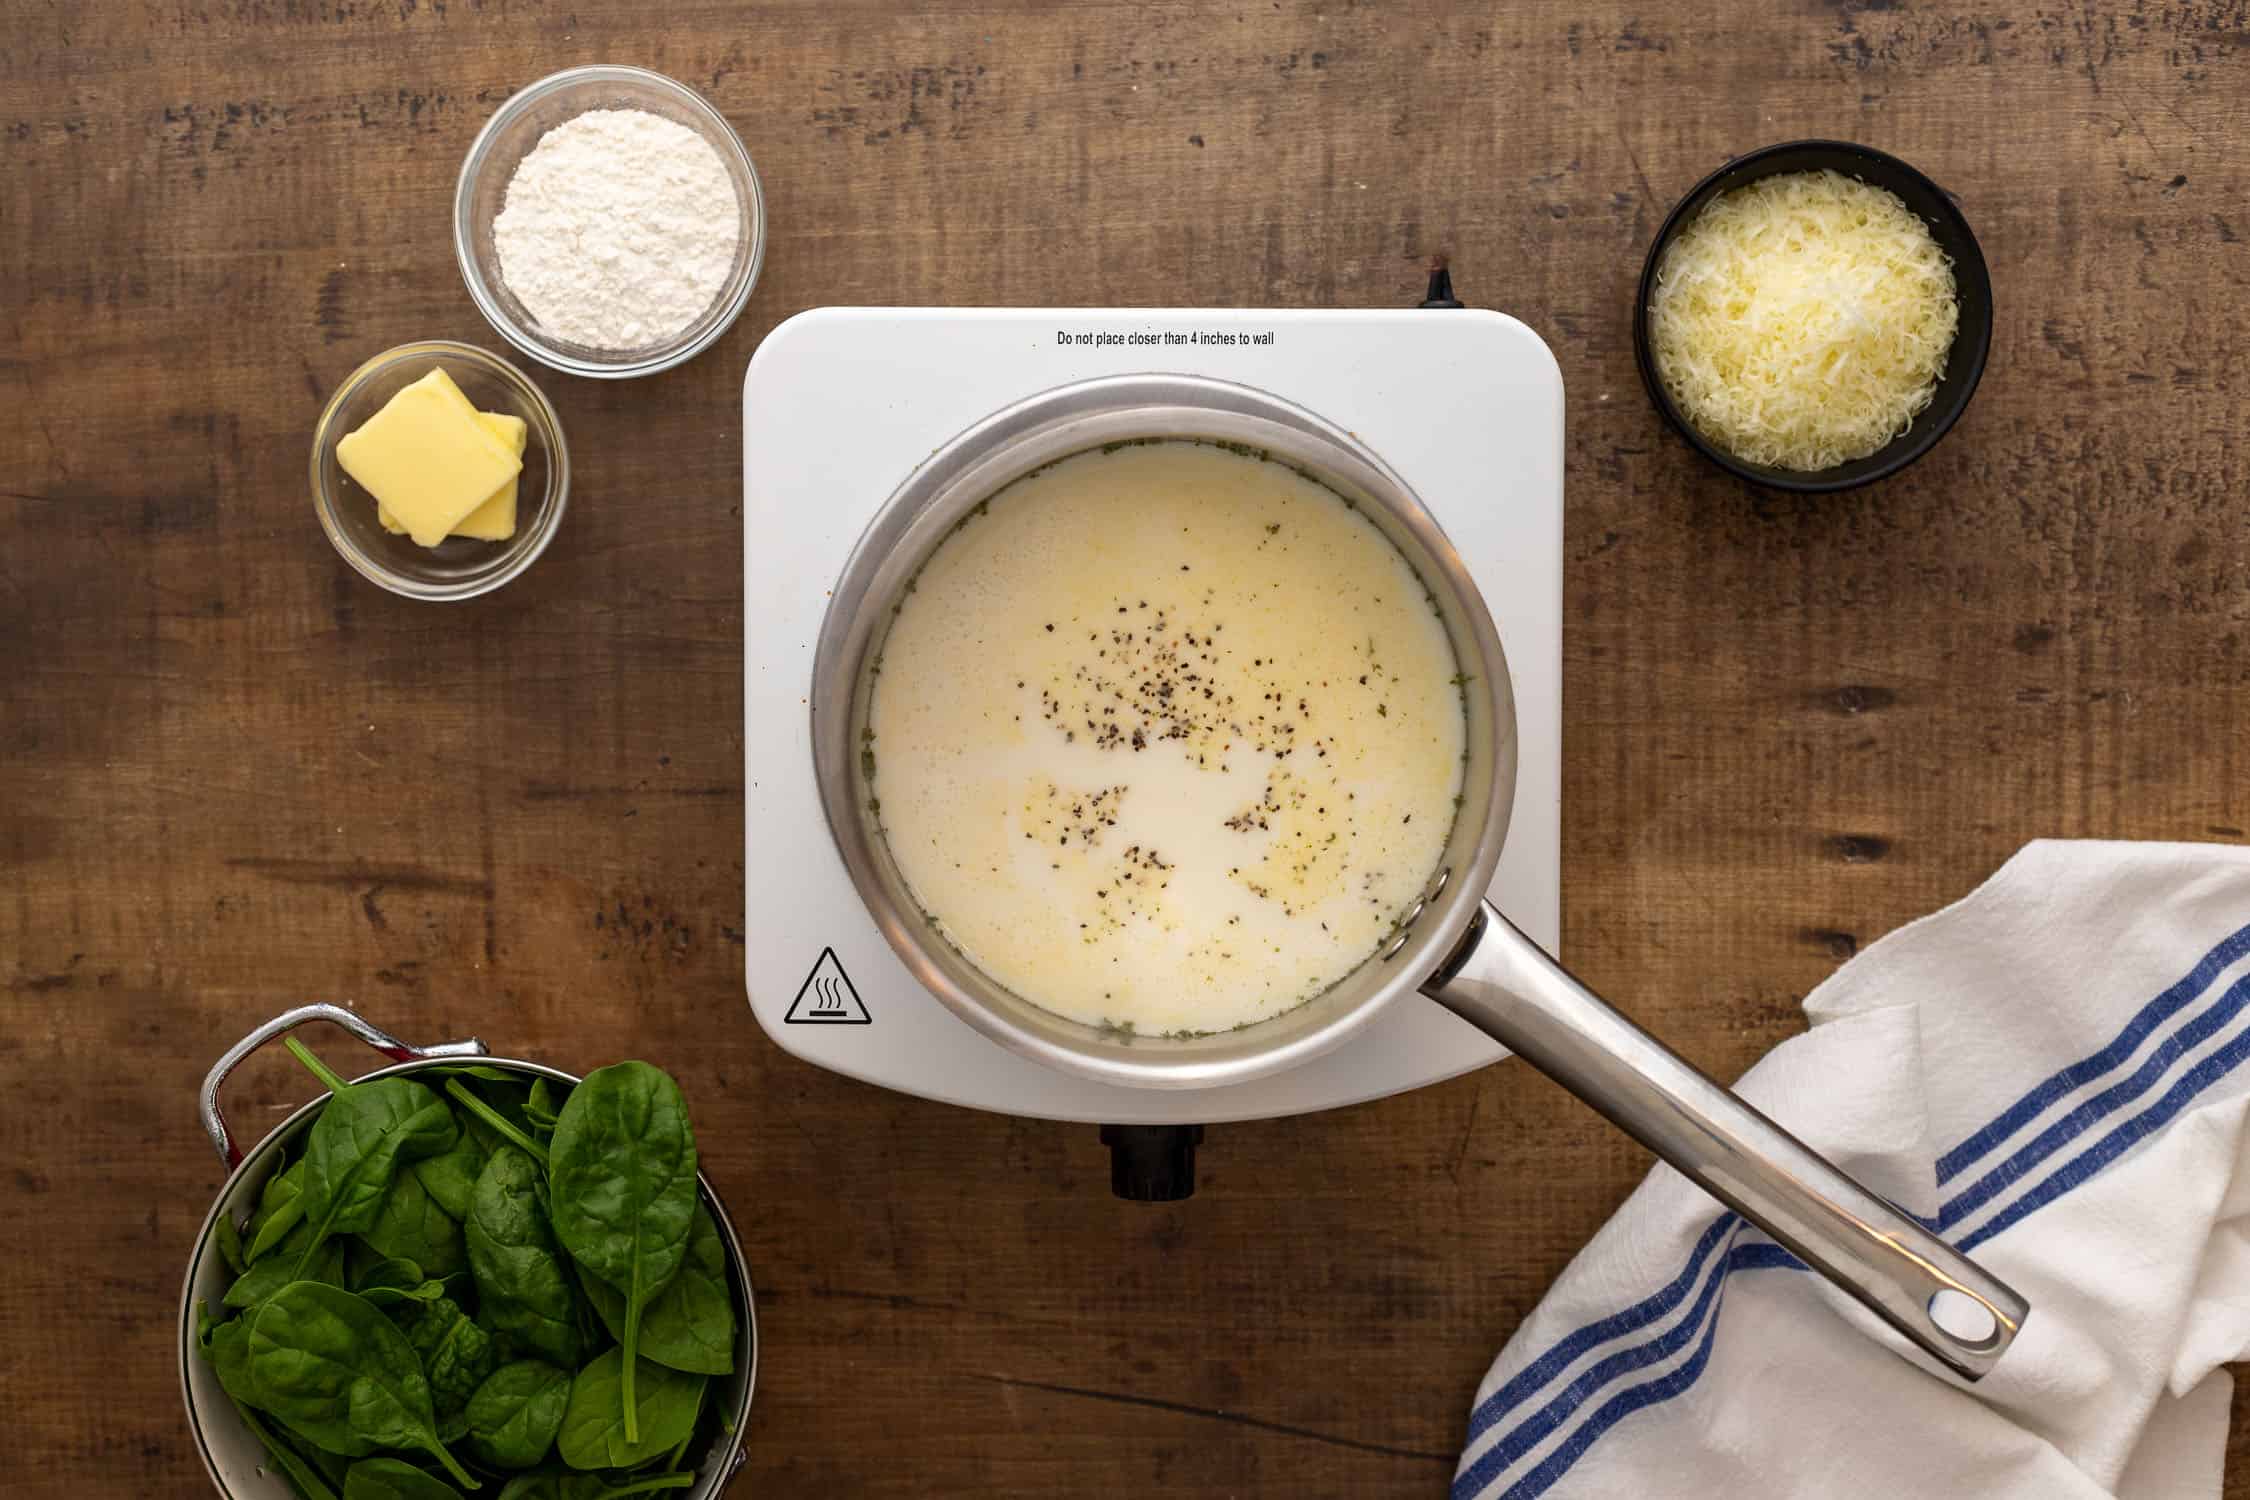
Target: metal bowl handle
<point>1946,1304</point>
<point>215,1124</point>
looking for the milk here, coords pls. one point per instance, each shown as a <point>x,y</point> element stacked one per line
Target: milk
<point>1166,739</point>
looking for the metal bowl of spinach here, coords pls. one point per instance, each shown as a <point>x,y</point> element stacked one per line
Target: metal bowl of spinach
<point>463,1275</point>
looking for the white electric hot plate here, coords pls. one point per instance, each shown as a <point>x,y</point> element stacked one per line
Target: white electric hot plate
<point>840,404</point>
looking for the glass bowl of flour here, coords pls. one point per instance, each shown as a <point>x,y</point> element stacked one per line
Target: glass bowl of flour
<point>609,222</point>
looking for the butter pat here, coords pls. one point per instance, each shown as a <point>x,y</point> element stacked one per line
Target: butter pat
<point>427,459</point>
<point>495,519</point>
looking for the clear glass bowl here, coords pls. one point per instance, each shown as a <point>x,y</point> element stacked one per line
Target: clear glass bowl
<point>458,567</point>
<point>509,136</point>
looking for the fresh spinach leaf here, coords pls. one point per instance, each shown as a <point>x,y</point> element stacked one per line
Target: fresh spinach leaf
<point>451,1175</point>
<point>593,1487</point>
<point>277,1228</point>
<point>356,1145</point>
<point>544,1485</point>
<point>394,1479</point>
<point>515,1414</point>
<point>648,1484</point>
<point>268,1190</point>
<point>226,1346</point>
<point>410,1225</point>
<point>622,1181</point>
<point>275,1271</point>
<point>539,1106</point>
<point>281,1208</point>
<point>330,1466</point>
<point>360,1261</point>
<point>523,1289</point>
<point>227,1235</point>
<point>553,1486</point>
<point>483,1071</point>
<point>396,1272</point>
<point>593,1335</point>
<point>387,1283</point>
<point>456,1357</point>
<point>337,1370</point>
<point>303,1477</point>
<point>690,1325</point>
<point>593,1434</point>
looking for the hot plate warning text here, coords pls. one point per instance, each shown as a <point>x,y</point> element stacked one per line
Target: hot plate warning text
<point>827,998</point>
<point>1103,338</point>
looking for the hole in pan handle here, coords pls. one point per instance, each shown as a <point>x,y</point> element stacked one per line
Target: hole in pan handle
<point>215,1124</point>
<point>1944,1303</point>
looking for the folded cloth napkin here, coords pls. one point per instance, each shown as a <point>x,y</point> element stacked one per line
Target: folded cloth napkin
<point>2052,1073</point>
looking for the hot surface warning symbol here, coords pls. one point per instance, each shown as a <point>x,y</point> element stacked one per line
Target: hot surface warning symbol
<point>828,998</point>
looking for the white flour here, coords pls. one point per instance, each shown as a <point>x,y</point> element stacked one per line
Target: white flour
<point>619,229</point>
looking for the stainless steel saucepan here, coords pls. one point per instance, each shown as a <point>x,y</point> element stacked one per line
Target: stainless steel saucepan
<point>1452,947</point>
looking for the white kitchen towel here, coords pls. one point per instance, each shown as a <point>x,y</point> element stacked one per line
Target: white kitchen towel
<point>2052,1073</point>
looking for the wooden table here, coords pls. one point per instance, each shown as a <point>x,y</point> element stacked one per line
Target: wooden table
<point>233,776</point>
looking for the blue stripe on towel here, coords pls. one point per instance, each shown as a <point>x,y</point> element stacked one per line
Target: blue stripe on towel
<point>2084,1071</point>
<point>1541,1424</point>
<point>2100,1107</point>
<point>2110,1147</point>
<point>1546,1367</point>
<point>1757,1255</point>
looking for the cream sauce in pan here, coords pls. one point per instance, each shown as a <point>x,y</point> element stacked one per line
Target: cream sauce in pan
<point>1165,738</point>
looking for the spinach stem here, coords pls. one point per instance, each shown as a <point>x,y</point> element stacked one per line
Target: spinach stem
<point>496,1120</point>
<point>319,1069</point>
<point>635,1299</point>
<point>680,1450</point>
<point>301,1474</point>
<point>460,1475</point>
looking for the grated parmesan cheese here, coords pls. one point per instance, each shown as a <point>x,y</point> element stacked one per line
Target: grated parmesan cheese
<point>1802,321</point>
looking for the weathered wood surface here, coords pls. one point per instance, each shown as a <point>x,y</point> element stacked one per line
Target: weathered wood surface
<point>233,776</point>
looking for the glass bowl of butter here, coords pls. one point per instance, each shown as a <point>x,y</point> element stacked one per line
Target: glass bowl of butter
<point>439,471</point>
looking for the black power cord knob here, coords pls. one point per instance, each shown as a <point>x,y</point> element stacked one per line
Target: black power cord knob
<point>1440,293</point>
<point>1152,1163</point>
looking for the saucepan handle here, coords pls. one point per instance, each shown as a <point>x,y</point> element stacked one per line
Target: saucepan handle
<point>1500,982</point>
<point>215,1124</point>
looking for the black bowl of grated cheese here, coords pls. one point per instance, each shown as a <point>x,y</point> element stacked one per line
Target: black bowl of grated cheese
<point>1813,316</point>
